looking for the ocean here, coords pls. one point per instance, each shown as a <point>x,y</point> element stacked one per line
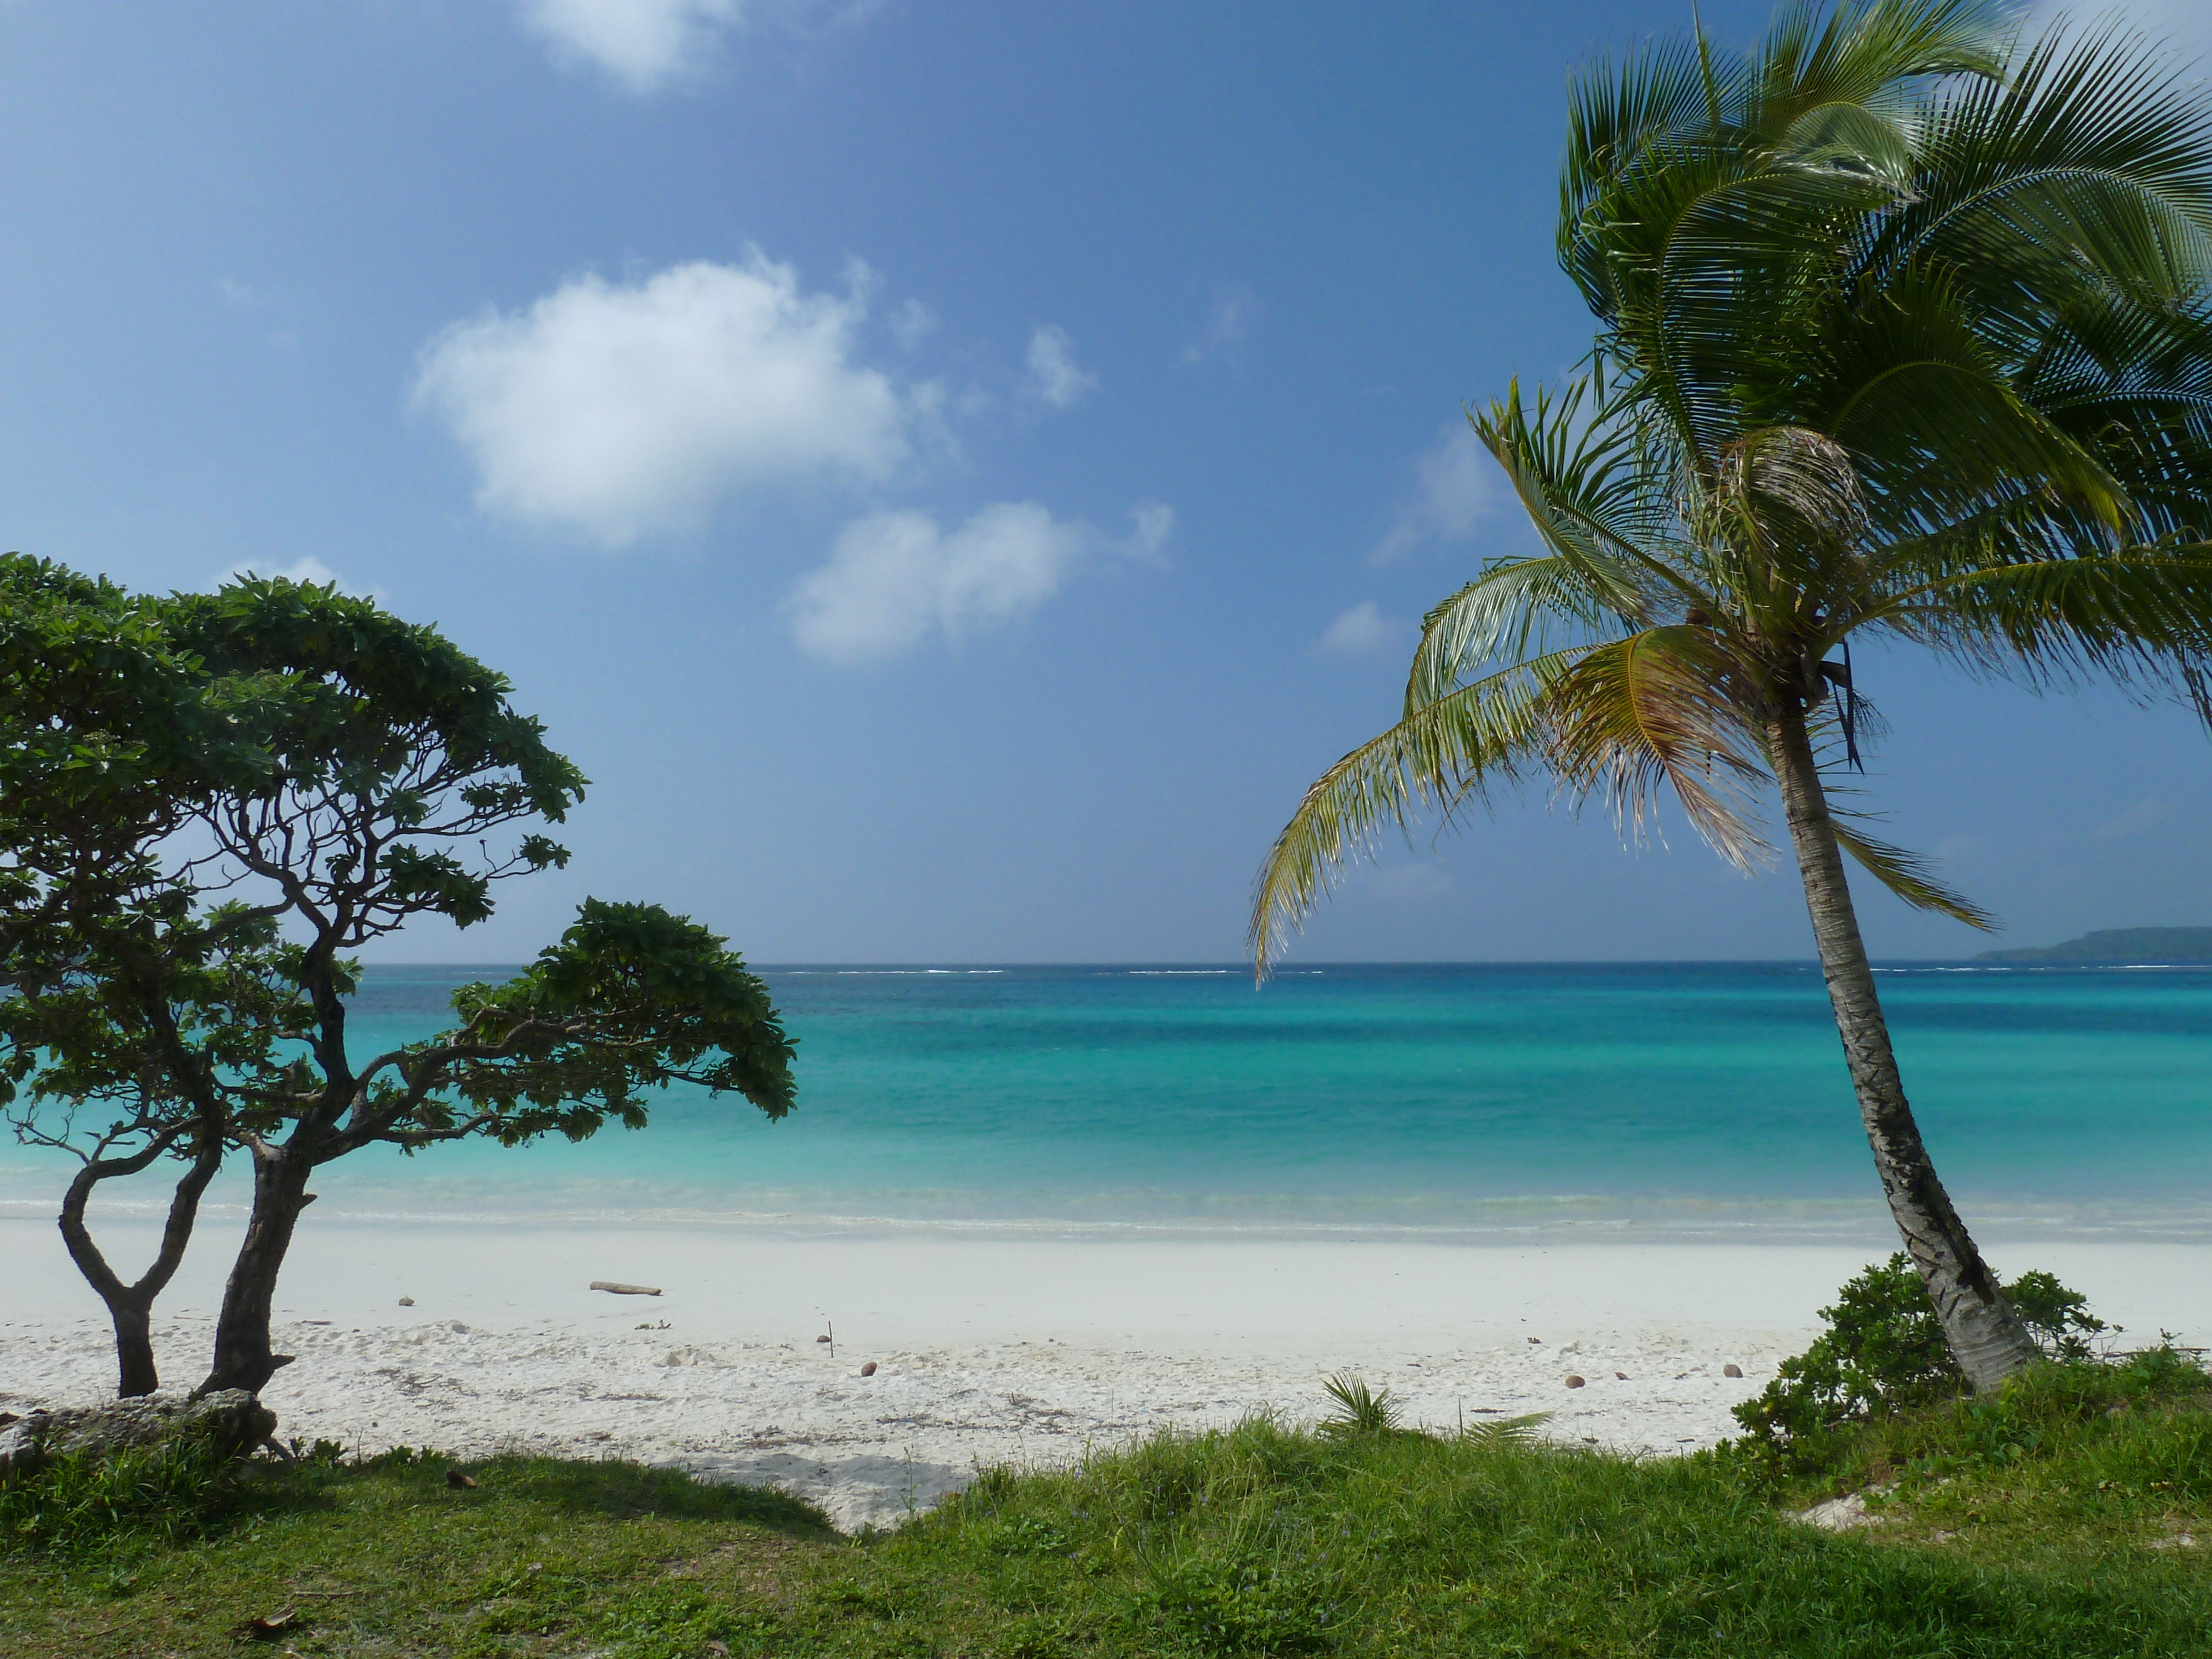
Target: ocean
<point>1496,1100</point>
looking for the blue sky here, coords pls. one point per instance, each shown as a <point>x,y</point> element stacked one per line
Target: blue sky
<point>952,475</point>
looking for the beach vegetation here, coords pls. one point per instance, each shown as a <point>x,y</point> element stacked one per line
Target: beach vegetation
<point>108,734</point>
<point>1905,334</point>
<point>286,776</point>
<point>1883,1352</point>
<point>2054,1518</point>
<point>1360,1409</point>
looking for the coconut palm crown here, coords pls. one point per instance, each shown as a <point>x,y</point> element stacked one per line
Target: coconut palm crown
<point>1904,332</point>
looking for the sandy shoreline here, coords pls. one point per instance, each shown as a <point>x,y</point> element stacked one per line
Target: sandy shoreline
<point>1000,1348</point>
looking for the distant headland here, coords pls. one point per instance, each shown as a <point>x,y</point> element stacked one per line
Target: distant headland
<point>2119,944</point>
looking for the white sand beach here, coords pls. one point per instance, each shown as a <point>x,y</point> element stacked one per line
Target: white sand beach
<point>990,1347</point>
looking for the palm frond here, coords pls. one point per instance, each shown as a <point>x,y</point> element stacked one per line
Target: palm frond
<point>2137,616</point>
<point>1909,875</point>
<point>1360,1410</point>
<point>1461,746</point>
<point>1589,493</point>
<point>1506,1430</point>
<point>1516,609</point>
<point>1656,707</point>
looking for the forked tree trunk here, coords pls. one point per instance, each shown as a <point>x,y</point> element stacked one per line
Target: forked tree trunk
<point>130,1306</point>
<point>242,1356</point>
<point>1986,1336</point>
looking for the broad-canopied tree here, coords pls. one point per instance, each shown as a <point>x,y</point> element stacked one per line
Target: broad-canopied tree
<point>1905,333</point>
<point>108,736</point>
<point>368,775</point>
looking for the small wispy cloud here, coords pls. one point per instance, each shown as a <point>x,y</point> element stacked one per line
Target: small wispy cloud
<point>1054,376</point>
<point>644,46</point>
<point>894,579</point>
<point>912,322</point>
<point>1228,320</point>
<point>1420,883</point>
<point>1361,631</point>
<point>2141,815</point>
<point>274,305</point>
<point>1452,492</point>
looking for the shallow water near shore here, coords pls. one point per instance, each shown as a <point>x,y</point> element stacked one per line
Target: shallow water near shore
<point>1557,1100</point>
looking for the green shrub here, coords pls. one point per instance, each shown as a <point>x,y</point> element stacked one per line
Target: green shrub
<point>164,1493</point>
<point>1884,1352</point>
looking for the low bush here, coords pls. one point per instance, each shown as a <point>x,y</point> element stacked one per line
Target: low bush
<point>1883,1352</point>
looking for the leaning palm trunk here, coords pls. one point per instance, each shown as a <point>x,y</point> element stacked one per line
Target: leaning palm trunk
<point>1986,1337</point>
<point>1905,334</point>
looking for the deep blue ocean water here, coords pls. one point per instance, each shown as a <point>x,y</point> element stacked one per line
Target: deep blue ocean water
<point>1706,1098</point>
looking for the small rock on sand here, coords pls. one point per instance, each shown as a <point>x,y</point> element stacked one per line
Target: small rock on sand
<point>406,1301</point>
<point>1621,1376</point>
<point>1731,1370</point>
<point>1575,1381</point>
<point>868,1369</point>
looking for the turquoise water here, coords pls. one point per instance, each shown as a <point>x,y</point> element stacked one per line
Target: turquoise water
<point>1707,1098</point>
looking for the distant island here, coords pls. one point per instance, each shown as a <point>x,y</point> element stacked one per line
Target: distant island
<point>2119,944</point>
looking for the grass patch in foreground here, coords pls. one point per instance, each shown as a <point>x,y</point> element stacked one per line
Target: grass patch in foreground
<point>1256,1541</point>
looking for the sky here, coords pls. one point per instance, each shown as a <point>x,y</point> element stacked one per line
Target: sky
<point>949,474</point>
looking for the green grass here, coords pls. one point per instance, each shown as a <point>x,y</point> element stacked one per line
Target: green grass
<point>2036,1525</point>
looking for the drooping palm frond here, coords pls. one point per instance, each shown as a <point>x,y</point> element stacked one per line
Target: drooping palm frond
<point>1656,709</point>
<point>1485,734</point>
<point>1909,875</point>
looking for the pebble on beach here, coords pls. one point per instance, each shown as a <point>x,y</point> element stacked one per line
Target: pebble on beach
<point>1575,1381</point>
<point>868,1369</point>
<point>1731,1370</point>
<point>406,1301</point>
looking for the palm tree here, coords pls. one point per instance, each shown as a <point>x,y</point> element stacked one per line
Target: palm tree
<point>1905,333</point>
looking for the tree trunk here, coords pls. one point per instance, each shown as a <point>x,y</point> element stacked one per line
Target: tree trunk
<point>130,1306</point>
<point>1986,1337</point>
<point>133,1316</point>
<point>242,1356</point>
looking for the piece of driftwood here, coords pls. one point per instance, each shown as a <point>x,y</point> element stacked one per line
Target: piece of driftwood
<point>625,1290</point>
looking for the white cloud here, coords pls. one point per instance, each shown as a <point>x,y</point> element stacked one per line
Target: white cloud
<point>893,579</point>
<point>1054,375</point>
<point>645,45</point>
<point>1226,325</point>
<point>1359,632</point>
<point>621,410</point>
<point>1452,492</point>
